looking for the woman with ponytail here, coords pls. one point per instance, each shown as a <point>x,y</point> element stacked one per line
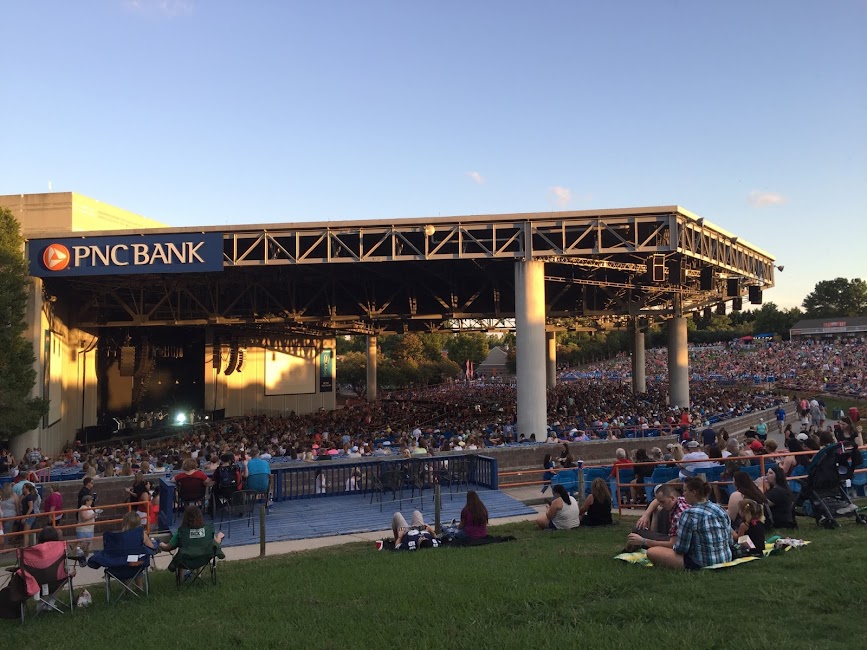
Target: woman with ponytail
<point>704,533</point>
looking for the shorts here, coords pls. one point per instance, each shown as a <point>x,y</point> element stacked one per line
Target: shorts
<point>551,525</point>
<point>689,564</point>
<point>83,534</point>
<point>30,521</point>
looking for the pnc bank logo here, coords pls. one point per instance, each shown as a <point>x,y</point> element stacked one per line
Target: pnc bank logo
<point>55,257</point>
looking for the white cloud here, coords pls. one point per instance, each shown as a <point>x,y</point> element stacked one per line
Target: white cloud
<point>761,199</point>
<point>476,177</point>
<point>561,195</point>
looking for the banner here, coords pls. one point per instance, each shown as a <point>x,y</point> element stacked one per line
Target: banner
<point>326,371</point>
<point>124,255</point>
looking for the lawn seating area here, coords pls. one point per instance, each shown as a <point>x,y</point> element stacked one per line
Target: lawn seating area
<point>546,590</point>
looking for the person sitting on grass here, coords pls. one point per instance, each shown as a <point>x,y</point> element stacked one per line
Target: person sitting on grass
<point>753,526</point>
<point>596,509</point>
<point>474,519</point>
<point>658,525</point>
<point>562,514</point>
<point>412,537</point>
<point>703,533</point>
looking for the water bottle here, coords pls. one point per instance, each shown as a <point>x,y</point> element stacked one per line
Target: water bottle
<point>168,472</point>
<point>270,503</point>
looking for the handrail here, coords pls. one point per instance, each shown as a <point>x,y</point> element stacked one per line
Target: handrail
<point>720,462</point>
<point>52,515</point>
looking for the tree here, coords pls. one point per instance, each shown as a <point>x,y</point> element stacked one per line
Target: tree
<point>352,370</point>
<point>409,349</point>
<point>472,346</point>
<point>771,319</point>
<point>18,411</point>
<point>837,297</point>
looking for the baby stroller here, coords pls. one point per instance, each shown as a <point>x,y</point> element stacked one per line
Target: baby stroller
<point>824,494</point>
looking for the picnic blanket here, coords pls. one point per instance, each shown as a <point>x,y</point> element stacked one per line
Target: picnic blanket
<point>773,546</point>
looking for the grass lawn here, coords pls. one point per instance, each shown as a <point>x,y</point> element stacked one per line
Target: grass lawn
<point>546,590</point>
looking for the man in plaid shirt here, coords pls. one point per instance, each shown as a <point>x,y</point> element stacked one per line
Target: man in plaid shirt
<point>704,534</point>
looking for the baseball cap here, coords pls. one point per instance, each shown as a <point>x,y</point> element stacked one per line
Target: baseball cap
<point>755,445</point>
<point>354,449</point>
<point>802,436</point>
<point>692,444</point>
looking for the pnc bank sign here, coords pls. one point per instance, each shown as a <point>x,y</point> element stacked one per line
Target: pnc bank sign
<point>182,253</point>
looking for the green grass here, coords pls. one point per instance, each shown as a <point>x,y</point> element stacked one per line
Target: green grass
<point>546,590</point>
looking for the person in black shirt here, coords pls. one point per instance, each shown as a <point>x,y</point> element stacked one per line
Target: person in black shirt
<point>780,498</point>
<point>87,490</point>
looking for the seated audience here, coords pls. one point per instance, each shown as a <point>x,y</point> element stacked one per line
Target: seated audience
<point>596,509</point>
<point>562,514</point>
<point>703,533</point>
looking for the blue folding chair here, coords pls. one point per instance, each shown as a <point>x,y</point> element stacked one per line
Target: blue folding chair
<point>125,559</point>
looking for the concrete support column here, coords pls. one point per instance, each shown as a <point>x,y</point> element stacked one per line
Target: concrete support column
<point>639,382</point>
<point>551,359</point>
<point>371,368</point>
<point>678,363</point>
<point>530,345</point>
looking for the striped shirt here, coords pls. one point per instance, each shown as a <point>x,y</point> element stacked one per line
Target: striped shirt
<point>704,534</point>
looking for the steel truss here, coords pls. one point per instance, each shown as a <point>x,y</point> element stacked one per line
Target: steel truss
<point>437,274</point>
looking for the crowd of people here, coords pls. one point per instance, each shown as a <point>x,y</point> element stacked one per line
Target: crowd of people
<point>832,366</point>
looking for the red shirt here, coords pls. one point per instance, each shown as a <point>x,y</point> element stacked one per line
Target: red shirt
<point>623,463</point>
<point>187,482</point>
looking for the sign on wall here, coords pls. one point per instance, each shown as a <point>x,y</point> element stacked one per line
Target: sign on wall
<point>326,371</point>
<point>169,253</point>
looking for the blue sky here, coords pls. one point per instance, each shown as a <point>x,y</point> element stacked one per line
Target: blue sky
<point>750,114</point>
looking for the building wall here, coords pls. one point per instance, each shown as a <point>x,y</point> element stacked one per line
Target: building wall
<point>70,212</point>
<point>75,398</point>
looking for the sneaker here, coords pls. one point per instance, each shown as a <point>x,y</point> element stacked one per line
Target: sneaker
<point>82,557</point>
<point>187,575</point>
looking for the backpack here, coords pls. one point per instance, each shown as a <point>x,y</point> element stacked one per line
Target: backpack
<point>227,479</point>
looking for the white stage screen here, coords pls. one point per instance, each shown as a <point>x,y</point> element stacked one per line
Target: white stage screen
<point>290,374</point>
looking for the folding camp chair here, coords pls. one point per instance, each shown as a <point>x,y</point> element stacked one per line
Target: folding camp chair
<point>390,480</point>
<point>125,559</point>
<point>239,505</point>
<point>196,552</point>
<point>44,571</point>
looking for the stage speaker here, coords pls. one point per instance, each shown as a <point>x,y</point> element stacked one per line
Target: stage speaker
<point>737,304</point>
<point>676,272</point>
<point>721,309</point>
<point>657,268</point>
<point>755,295</point>
<point>216,361</point>
<point>733,288</point>
<point>706,279</point>
<point>241,355</point>
<point>708,313</point>
<point>232,365</point>
<point>127,361</point>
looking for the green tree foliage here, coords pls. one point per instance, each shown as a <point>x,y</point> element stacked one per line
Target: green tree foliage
<point>351,344</point>
<point>18,412</point>
<point>352,371</point>
<point>409,349</point>
<point>837,297</point>
<point>771,318</point>
<point>470,345</point>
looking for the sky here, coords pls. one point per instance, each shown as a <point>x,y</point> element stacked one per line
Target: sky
<point>750,114</point>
